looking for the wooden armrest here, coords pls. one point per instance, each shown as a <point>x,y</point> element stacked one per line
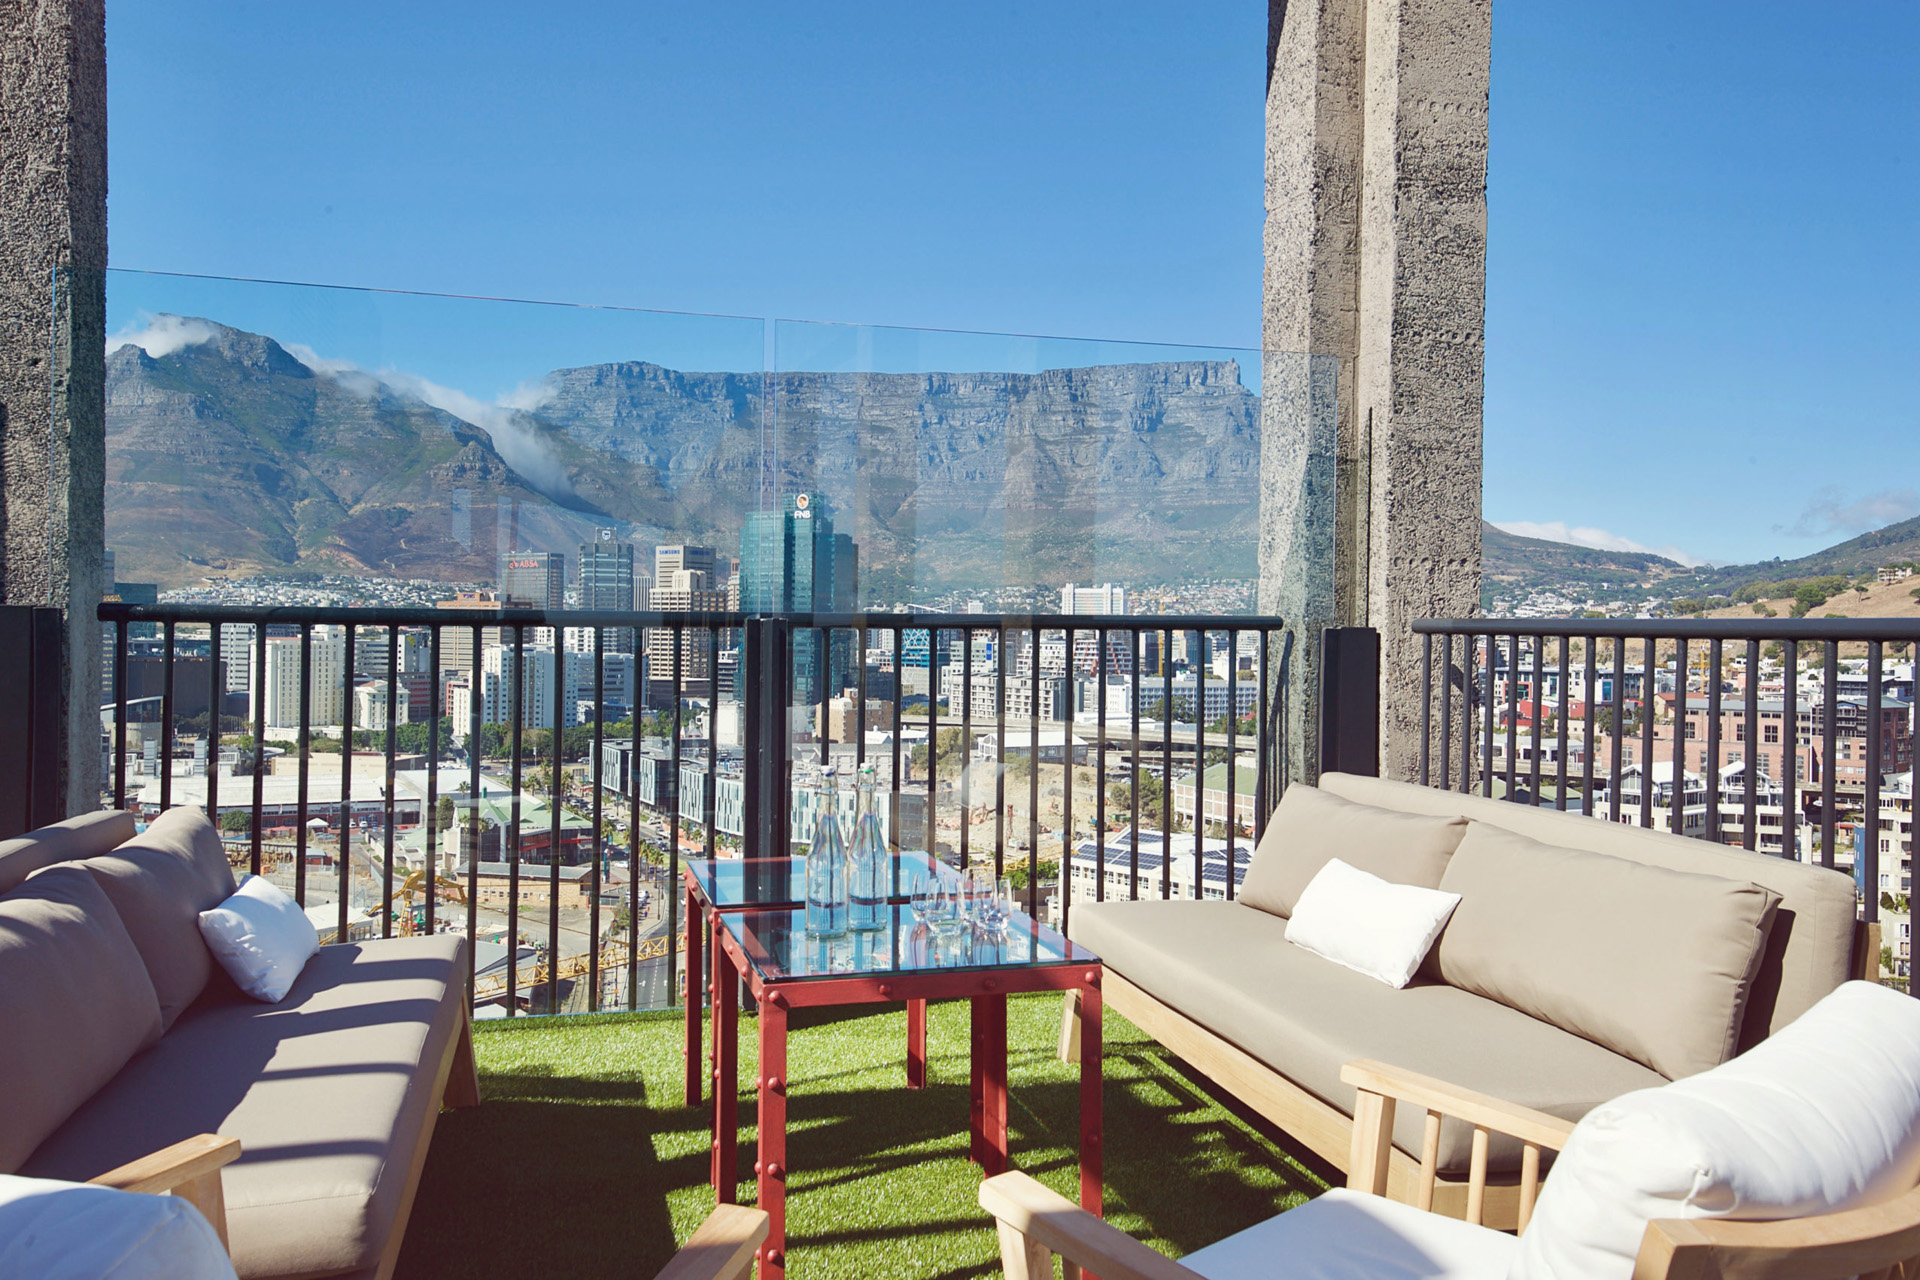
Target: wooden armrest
<point>723,1248</point>
<point>1036,1223</point>
<point>1864,1241</point>
<point>1479,1109</point>
<point>1381,1086</point>
<point>189,1169</point>
<point>180,1163</point>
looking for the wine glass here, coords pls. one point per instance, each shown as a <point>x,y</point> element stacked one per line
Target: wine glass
<point>923,893</point>
<point>1000,906</point>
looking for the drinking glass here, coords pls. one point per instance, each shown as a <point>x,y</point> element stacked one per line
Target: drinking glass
<point>923,891</point>
<point>977,888</point>
<point>999,906</point>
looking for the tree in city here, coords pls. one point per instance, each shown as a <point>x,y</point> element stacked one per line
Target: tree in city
<point>236,820</point>
<point>443,813</point>
<point>1153,800</point>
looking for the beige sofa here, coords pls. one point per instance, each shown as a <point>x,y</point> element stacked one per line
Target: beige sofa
<point>1585,959</point>
<point>124,1037</point>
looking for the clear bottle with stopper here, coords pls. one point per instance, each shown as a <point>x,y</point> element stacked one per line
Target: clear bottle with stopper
<point>827,866</point>
<point>867,860</point>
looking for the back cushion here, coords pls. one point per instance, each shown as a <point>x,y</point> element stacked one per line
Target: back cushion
<point>159,882</point>
<point>1310,827</point>
<point>1651,963</point>
<point>80,837</point>
<point>1823,1116</point>
<point>75,1004</point>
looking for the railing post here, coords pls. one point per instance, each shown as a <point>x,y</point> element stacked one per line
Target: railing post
<point>32,737</point>
<point>1350,700</point>
<point>766,669</point>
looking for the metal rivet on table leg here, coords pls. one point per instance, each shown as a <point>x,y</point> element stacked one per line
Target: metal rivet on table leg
<point>775,1084</point>
<point>1093,978</point>
<point>775,1171</point>
<point>886,990</point>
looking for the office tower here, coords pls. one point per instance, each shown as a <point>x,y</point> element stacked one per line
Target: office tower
<point>681,591</point>
<point>792,561</point>
<point>457,650</point>
<point>534,578</point>
<point>236,651</point>
<point>497,681</point>
<point>670,560</point>
<point>280,684</point>
<point>1106,599</point>
<point>607,583</point>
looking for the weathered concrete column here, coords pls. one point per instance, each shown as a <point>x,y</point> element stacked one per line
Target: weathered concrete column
<point>1376,259</point>
<point>53,243</point>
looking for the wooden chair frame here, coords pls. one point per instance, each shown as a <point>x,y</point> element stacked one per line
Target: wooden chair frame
<point>189,1169</point>
<point>1881,1242</point>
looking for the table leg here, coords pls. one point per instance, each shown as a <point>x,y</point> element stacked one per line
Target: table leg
<point>976,1095</point>
<point>1090,1078</point>
<point>916,1044</point>
<point>696,987</point>
<point>726,1082</point>
<point>772,1164</point>
<point>993,1083</point>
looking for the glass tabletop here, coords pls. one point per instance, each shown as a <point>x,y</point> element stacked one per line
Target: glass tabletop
<point>781,950</point>
<point>766,882</point>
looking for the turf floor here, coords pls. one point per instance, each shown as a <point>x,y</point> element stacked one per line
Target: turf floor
<point>583,1162</point>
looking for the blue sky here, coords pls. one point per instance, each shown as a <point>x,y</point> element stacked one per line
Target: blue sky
<point>1701,332</point>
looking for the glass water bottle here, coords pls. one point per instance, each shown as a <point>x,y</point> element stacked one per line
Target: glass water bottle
<point>867,860</point>
<point>827,867</point>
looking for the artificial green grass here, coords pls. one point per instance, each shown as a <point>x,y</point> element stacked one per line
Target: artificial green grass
<point>583,1162</point>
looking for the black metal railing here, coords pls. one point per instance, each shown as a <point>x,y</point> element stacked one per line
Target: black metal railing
<point>769,689</point>
<point>1486,678</point>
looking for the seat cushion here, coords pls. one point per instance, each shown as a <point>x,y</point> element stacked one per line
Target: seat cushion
<point>75,1005</point>
<point>1651,962</point>
<point>1347,1235</point>
<point>1822,1117</point>
<point>160,881</point>
<point>327,1092</point>
<point>78,837</point>
<point>1311,827</point>
<point>70,1231</point>
<point>1230,969</point>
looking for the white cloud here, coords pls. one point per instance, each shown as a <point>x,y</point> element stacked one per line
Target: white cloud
<point>1830,512</point>
<point>503,420</point>
<point>161,335</point>
<point>1588,536</point>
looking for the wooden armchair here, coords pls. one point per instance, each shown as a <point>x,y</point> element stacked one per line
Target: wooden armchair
<point>722,1249</point>
<point>1881,1241</point>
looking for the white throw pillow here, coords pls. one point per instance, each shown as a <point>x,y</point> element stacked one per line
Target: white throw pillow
<point>1370,925</point>
<point>71,1231</point>
<point>261,938</point>
<point>1822,1116</point>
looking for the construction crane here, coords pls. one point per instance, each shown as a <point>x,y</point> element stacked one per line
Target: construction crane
<point>416,884</point>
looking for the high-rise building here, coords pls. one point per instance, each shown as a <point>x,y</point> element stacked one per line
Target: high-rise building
<point>280,685</point>
<point>536,578</point>
<point>792,561</point>
<point>457,650</point>
<point>607,583</point>
<point>1105,599</point>
<point>669,560</point>
<point>681,591</point>
<point>496,687</point>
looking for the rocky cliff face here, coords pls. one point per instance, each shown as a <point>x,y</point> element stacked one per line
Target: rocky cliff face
<point>232,456</point>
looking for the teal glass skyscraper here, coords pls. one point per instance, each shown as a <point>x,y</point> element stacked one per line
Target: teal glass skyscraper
<point>792,561</point>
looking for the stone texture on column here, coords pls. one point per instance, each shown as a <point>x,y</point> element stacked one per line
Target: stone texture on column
<point>1376,256</point>
<point>53,244</point>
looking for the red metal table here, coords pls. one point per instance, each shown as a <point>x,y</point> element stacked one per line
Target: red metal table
<point>784,968</point>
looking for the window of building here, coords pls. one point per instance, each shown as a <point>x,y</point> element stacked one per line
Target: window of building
<point>1772,733</point>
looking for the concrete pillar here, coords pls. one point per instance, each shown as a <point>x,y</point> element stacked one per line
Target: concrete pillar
<point>53,244</point>
<point>1376,260</point>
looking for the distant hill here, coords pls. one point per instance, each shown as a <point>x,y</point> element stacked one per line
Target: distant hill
<point>1514,566</point>
<point>1895,544</point>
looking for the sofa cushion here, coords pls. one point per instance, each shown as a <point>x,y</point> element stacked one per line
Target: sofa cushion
<point>1309,827</point>
<point>160,881</point>
<point>1230,969</point>
<point>1823,1117</point>
<point>70,1231</point>
<point>1652,963</point>
<point>327,1091</point>
<point>79,837</point>
<point>75,1005</point>
<point>1349,1235</point>
<point>1370,925</point>
<point>1809,948</point>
